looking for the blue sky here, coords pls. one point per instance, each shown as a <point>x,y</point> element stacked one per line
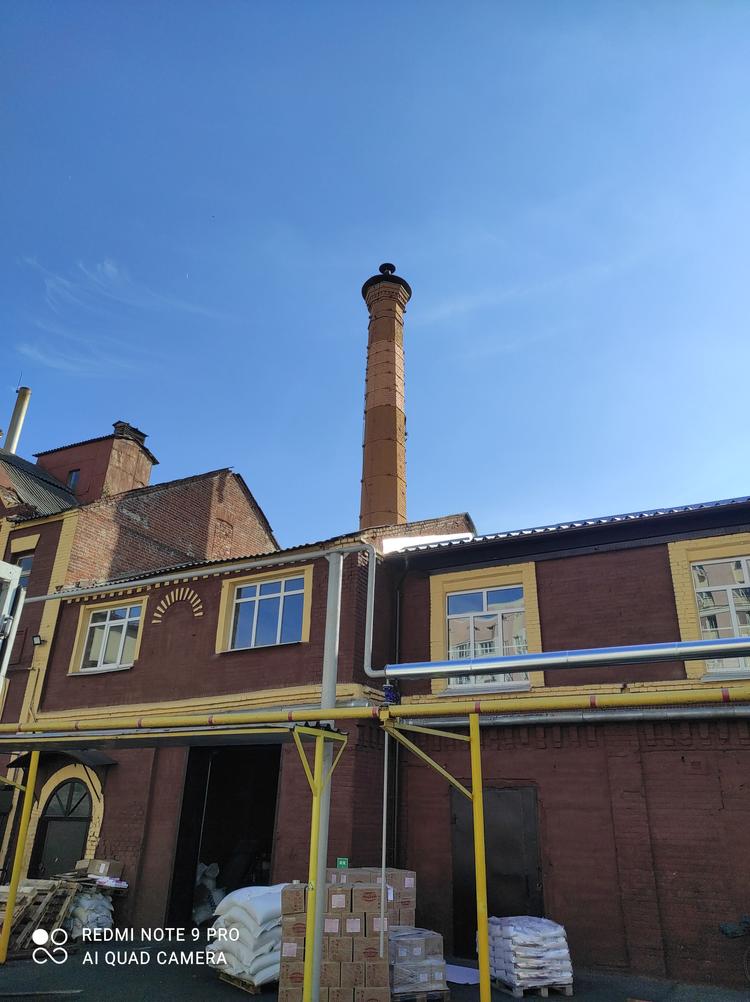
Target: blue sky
<point>194,193</point>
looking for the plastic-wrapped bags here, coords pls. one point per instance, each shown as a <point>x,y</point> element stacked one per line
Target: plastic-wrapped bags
<point>89,909</point>
<point>529,952</point>
<point>252,917</point>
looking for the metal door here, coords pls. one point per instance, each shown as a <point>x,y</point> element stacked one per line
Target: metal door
<point>514,877</point>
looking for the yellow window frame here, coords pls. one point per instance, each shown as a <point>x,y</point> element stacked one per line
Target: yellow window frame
<point>229,588</point>
<point>681,556</point>
<point>501,576</point>
<point>84,621</point>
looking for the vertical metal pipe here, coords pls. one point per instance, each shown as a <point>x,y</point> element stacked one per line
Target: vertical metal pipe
<point>383,844</point>
<point>327,701</point>
<point>312,871</point>
<point>17,419</point>
<point>15,878</point>
<point>480,861</point>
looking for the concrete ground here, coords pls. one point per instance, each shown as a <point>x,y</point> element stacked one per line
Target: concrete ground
<point>150,982</point>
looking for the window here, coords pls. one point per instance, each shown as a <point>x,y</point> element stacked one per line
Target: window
<point>268,613</point>
<point>722,593</point>
<point>72,482</point>
<point>24,561</point>
<point>111,638</point>
<point>489,622</point>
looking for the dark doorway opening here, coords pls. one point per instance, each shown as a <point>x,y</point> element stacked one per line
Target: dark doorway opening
<point>228,818</point>
<point>62,831</point>
<point>514,874</point>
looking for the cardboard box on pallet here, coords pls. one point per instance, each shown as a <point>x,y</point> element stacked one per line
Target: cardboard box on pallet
<point>291,974</point>
<point>340,995</point>
<point>372,922</point>
<point>323,994</point>
<point>377,974</point>
<point>368,948</point>
<point>293,899</point>
<point>365,898</point>
<point>290,995</point>
<point>339,898</point>
<point>405,899</point>
<point>293,948</point>
<point>401,880</point>
<point>406,916</point>
<point>354,924</point>
<point>330,974</point>
<point>340,948</point>
<point>353,974</point>
<point>421,976</point>
<point>293,926</point>
<point>332,923</point>
<point>372,994</point>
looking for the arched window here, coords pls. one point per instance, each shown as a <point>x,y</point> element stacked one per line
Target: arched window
<point>62,830</point>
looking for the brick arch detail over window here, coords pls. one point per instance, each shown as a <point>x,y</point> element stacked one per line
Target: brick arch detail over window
<point>182,594</point>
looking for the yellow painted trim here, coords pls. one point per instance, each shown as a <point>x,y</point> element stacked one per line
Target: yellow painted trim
<point>226,603</point>
<point>308,695</point>
<point>40,659</point>
<point>681,555</point>
<point>92,782</point>
<point>22,544</point>
<point>84,618</point>
<point>441,585</point>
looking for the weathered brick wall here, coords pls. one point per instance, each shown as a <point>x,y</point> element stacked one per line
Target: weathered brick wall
<point>356,793</point>
<point>643,835</point>
<point>199,518</point>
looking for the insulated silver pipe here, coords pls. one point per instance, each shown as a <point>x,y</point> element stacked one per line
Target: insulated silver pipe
<point>594,657</point>
<point>17,418</point>
<point>641,715</point>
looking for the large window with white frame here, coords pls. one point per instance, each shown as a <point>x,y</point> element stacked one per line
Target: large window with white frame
<point>722,592</point>
<point>488,622</point>
<point>111,638</point>
<point>268,613</point>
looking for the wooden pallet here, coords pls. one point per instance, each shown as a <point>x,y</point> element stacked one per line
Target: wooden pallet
<point>438,995</point>
<point>47,910</point>
<point>245,986</point>
<point>543,991</point>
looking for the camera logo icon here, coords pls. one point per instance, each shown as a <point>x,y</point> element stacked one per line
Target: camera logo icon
<point>49,946</point>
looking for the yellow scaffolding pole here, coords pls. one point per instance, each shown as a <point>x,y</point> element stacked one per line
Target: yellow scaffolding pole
<point>480,859</point>
<point>318,780</point>
<point>15,879</point>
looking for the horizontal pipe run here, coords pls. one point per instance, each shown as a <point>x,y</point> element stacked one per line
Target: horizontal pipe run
<point>576,701</point>
<point>622,715</point>
<point>410,711</point>
<point>594,657</point>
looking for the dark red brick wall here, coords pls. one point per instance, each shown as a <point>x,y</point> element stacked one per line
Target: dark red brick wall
<point>207,517</point>
<point>607,600</point>
<point>356,794</point>
<point>642,832</point>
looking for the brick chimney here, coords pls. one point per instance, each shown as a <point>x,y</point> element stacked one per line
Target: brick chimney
<point>384,446</point>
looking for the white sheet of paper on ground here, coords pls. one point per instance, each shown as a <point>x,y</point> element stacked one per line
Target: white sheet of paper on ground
<point>461,975</point>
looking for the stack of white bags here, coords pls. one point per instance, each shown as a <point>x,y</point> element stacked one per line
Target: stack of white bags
<point>252,945</point>
<point>527,952</point>
<point>89,909</point>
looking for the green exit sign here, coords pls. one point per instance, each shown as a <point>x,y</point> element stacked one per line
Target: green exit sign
<point>342,862</point>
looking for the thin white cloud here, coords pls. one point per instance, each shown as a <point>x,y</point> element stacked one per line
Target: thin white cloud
<point>90,363</point>
<point>98,288</point>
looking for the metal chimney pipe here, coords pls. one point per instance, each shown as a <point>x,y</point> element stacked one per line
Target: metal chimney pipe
<point>17,419</point>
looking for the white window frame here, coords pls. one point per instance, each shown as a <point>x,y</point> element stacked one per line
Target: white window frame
<point>718,668</point>
<point>108,622</point>
<point>281,595</point>
<point>481,683</point>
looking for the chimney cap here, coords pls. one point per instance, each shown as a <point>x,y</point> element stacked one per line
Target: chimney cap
<point>387,273</point>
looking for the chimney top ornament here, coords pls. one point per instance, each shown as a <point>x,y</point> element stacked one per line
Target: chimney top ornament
<point>387,269</point>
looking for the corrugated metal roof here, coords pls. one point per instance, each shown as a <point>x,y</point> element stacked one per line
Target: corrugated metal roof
<point>583,523</point>
<point>35,487</point>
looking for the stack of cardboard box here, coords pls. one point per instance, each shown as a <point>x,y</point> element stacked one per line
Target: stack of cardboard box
<point>416,960</point>
<point>352,969</point>
<point>401,886</point>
